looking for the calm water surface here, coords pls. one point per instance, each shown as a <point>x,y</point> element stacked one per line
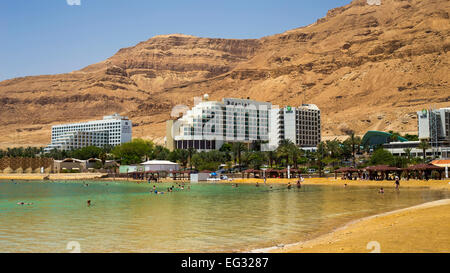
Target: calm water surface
<point>125,217</point>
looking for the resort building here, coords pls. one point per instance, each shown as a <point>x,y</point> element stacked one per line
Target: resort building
<point>434,126</point>
<point>210,124</point>
<point>301,125</point>
<point>111,130</point>
<point>401,149</point>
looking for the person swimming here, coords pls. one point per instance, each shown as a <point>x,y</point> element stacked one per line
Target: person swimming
<point>23,203</point>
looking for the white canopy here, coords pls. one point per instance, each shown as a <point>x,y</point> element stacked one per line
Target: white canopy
<point>159,162</point>
<point>160,165</point>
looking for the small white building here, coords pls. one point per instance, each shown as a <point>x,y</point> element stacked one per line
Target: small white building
<point>160,165</point>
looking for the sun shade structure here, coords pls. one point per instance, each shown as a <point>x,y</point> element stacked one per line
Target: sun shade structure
<point>426,167</point>
<point>424,171</point>
<point>256,173</point>
<point>346,170</point>
<point>160,165</point>
<point>382,168</point>
<point>381,172</point>
<point>441,162</point>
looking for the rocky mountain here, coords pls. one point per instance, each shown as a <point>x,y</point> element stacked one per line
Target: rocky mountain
<point>367,67</point>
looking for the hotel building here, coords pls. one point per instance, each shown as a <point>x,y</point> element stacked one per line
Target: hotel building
<point>301,125</point>
<point>210,124</point>
<point>434,126</point>
<point>111,130</point>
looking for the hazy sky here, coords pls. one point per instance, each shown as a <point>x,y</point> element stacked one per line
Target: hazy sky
<point>50,36</point>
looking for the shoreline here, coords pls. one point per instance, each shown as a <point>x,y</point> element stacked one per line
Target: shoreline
<point>432,184</point>
<point>343,239</point>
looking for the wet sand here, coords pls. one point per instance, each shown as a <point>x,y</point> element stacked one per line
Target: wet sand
<point>433,184</point>
<point>423,229</point>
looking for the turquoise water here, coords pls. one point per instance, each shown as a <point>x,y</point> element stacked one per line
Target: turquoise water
<point>126,217</point>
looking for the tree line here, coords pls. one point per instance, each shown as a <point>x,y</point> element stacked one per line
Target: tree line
<point>330,154</point>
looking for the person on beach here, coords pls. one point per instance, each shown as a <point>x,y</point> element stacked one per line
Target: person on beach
<point>381,190</point>
<point>265,180</point>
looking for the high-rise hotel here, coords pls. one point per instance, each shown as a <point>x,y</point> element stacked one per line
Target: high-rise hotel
<point>301,125</point>
<point>210,124</point>
<point>111,130</point>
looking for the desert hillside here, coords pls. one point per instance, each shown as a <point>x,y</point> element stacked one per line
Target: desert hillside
<point>367,67</point>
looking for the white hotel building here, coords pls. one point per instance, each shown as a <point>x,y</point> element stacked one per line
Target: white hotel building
<point>301,125</point>
<point>210,124</point>
<point>112,130</point>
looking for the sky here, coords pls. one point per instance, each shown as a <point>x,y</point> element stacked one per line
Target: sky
<point>57,36</point>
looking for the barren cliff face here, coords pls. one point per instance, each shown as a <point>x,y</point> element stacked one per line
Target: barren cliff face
<point>366,67</point>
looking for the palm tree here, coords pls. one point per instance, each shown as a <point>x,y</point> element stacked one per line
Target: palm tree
<point>355,142</point>
<point>237,148</point>
<point>408,153</point>
<point>333,149</point>
<point>191,151</point>
<point>296,152</point>
<point>320,155</point>
<point>271,157</point>
<point>424,145</point>
<point>284,149</point>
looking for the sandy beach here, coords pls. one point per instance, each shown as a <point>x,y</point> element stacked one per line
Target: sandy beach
<point>433,184</point>
<point>419,229</point>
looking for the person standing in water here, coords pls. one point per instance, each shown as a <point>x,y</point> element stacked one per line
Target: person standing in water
<point>397,183</point>
<point>88,203</point>
<point>299,185</point>
<point>289,186</point>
